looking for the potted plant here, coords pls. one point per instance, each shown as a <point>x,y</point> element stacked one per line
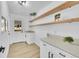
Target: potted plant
<point>68,39</point>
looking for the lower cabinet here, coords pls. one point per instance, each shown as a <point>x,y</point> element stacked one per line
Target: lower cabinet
<point>62,54</point>
<point>45,51</point>
<point>29,37</point>
<point>17,37</point>
<point>49,51</point>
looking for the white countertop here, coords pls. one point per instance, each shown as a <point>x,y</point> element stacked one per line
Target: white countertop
<point>58,41</point>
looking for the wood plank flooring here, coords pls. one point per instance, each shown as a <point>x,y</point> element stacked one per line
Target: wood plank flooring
<point>24,50</point>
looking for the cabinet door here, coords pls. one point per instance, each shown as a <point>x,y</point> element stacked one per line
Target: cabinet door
<point>29,38</point>
<point>17,37</point>
<point>45,51</point>
<point>54,52</point>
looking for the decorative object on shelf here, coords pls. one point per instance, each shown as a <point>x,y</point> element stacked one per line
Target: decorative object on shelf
<point>3,24</point>
<point>33,14</point>
<point>57,17</point>
<point>68,39</point>
<point>17,25</point>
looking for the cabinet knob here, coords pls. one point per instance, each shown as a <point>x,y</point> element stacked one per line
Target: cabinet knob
<point>49,54</point>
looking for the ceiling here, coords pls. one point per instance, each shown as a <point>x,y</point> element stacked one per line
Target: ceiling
<point>34,6</point>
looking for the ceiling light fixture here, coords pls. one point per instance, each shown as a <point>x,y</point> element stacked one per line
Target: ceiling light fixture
<point>24,3</point>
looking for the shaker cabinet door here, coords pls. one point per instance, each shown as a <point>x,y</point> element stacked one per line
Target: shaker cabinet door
<point>45,50</point>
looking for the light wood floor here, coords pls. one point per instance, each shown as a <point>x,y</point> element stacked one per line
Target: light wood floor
<point>23,50</point>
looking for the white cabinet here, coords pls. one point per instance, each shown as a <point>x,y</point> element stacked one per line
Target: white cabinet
<point>29,36</point>
<point>45,50</point>
<point>63,54</point>
<point>49,51</point>
<point>17,37</point>
<point>58,53</point>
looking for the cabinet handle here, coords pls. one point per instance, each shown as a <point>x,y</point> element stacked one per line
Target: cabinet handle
<point>44,44</point>
<point>49,54</point>
<point>25,35</point>
<point>62,55</point>
<point>8,33</point>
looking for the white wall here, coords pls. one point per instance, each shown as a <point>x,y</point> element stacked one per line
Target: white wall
<point>18,36</point>
<point>65,14</point>
<point>0,24</point>
<point>65,29</point>
<point>24,20</point>
<point>14,36</point>
<point>49,7</point>
<point>4,37</point>
<point>10,36</point>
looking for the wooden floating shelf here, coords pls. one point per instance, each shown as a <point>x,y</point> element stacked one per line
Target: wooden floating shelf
<point>58,22</point>
<point>63,6</point>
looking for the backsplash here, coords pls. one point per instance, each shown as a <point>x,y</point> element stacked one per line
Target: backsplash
<point>70,29</point>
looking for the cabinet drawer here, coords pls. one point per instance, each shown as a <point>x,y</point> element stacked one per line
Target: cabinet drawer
<point>63,54</point>
<point>59,53</point>
<point>48,50</point>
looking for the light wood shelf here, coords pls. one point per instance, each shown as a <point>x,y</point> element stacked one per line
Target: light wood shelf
<point>58,22</point>
<point>63,6</point>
